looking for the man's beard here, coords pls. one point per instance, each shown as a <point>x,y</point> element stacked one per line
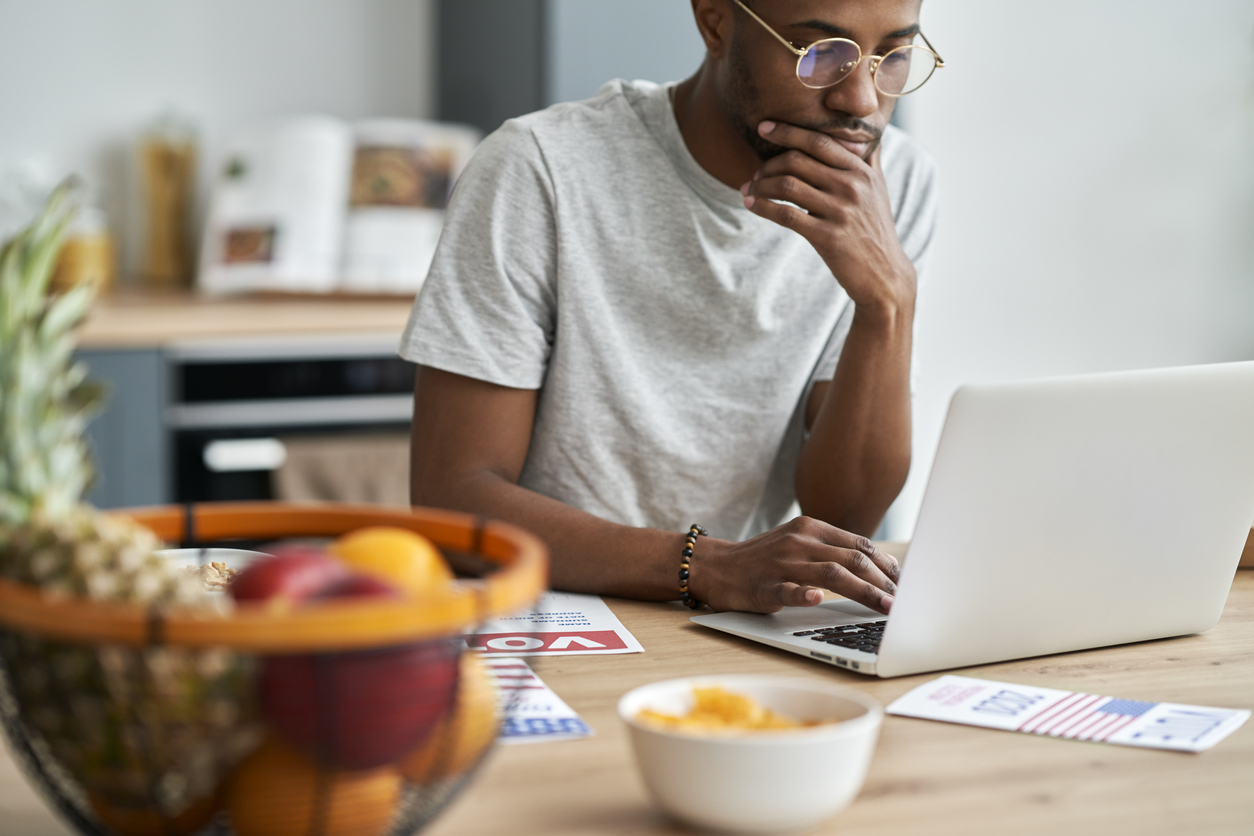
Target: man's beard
<point>741,100</point>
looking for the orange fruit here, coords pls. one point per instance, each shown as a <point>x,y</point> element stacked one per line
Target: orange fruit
<point>277,791</point>
<point>464,734</point>
<point>125,820</point>
<point>403,558</point>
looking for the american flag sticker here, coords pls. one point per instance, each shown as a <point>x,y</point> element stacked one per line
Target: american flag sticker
<point>1069,714</point>
<point>531,712</point>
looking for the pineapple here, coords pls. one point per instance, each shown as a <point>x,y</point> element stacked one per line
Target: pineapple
<point>153,728</point>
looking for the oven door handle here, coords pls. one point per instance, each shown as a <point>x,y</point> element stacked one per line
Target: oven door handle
<point>231,455</point>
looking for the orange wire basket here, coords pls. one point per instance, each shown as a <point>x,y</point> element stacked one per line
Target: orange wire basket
<point>336,718</point>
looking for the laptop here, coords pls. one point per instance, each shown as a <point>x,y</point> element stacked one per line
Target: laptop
<point>1060,514</point>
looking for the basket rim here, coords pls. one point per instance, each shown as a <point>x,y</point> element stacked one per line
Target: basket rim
<point>276,626</point>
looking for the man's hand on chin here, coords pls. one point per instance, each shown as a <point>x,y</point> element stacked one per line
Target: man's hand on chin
<point>841,206</point>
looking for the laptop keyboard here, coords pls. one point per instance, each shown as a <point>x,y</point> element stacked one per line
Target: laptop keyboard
<point>865,637</point>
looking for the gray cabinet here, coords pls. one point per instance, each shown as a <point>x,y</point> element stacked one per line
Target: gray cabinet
<point>503,58</point>
<point>128,439</point>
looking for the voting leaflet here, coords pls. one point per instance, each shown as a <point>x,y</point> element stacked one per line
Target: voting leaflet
<point>1069,714</point>
<point>532,712</point>
<point>560,624</point>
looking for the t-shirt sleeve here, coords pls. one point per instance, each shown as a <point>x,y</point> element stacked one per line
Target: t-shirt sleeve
<point>487,307</point>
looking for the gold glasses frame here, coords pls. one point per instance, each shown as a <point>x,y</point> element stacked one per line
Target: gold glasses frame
<point>874,60</point>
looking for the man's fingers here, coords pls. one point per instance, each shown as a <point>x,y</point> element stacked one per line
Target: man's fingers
<point>798,164</point>
<point>818,145</point>
<point>842,581</point>
<point>863,566</point>
<point>796,190</point>
<point>888,565</point>
<point>885,562</point>
<point>789,217</point>
<point>873,160</point>
<point>795,595</point>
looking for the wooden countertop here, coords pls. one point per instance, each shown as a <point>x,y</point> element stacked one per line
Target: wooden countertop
<point>145,319</point>
<point>926,777</point>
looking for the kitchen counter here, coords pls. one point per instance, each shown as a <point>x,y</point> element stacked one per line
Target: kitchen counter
<point>315,365</point>
<point>134,318</point>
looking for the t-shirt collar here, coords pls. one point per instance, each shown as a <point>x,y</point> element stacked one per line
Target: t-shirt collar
<point>658,113</point>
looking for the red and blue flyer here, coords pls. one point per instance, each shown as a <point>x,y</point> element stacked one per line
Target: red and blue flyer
<point>1069,714</point>
<point>530,710</point>
<point>560,624</point>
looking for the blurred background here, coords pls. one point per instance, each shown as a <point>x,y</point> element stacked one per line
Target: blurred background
<point>1096,161</point>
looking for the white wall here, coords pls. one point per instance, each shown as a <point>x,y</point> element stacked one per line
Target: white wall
<point>80,79</point>
<point>1097,212</point>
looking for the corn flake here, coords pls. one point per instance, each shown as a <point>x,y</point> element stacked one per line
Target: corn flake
<point>716,709</point>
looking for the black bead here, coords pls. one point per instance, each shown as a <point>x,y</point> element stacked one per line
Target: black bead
<point>687,552</point>
<point>683,574</point>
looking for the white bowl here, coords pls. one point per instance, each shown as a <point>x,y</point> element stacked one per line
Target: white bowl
<point>757,781</point>
<point>237,559</point>
<point>234,558</point>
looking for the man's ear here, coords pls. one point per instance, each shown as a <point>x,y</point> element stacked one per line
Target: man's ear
<point>715,22</point>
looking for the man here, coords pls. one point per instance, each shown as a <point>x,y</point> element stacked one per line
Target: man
<point>691,304</point>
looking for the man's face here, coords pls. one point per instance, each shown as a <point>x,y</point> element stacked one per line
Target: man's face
<point>759,79</point>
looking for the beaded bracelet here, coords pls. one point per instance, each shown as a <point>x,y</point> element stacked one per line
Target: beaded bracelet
<point>686,555</point>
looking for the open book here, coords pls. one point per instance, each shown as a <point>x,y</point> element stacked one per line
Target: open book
<point>316,204</point>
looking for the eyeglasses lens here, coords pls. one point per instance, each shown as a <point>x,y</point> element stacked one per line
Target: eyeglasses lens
<point>827,62</point>
<point>904,70</point>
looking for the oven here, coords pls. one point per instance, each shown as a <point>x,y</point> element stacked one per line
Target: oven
<point>237,409</point>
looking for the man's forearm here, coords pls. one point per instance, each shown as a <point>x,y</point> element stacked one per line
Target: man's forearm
<point>470,442</point>
<point>857,456</point>
<point>587,553</point>
<point>858,453</point>
<point>786,566</point>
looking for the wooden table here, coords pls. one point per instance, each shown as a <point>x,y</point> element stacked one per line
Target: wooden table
<point>927,777</point>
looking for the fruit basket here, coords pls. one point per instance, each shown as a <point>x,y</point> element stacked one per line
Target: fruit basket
<point>356,716</point>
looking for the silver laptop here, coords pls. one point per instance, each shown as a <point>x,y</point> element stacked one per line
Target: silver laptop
<point>1060,514</point>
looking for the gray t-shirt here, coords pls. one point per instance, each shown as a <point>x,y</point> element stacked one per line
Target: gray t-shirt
<point>672,334</point>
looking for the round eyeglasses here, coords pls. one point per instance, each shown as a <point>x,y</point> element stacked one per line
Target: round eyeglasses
<point>830,61</point>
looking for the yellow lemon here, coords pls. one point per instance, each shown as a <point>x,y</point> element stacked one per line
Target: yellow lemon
<point>277,791</point>
<point>403,558</point>
<point>463,735</point>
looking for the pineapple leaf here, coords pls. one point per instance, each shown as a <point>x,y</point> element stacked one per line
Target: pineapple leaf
<point>44,402</point>
<point>66,312</point>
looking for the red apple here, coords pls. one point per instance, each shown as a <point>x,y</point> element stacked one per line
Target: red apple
<point>294,572</point>
<point>357,586</point>
<point>363,708</point>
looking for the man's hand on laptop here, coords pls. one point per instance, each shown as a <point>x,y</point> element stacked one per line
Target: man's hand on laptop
<point>790,566</point>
